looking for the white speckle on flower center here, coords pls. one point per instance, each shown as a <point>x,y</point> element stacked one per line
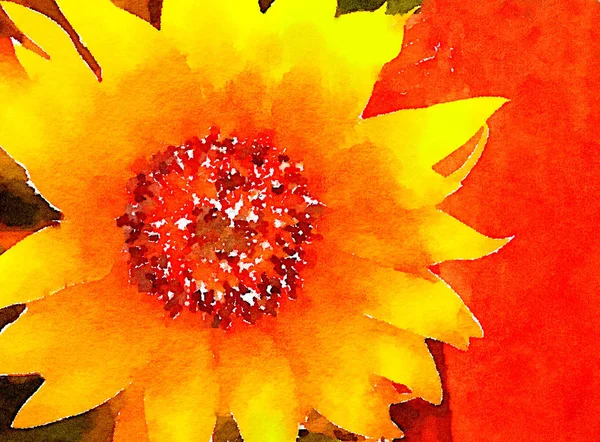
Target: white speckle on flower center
<point>220,227</point>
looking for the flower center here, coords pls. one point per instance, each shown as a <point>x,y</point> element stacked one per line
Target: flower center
<point>220,226</point>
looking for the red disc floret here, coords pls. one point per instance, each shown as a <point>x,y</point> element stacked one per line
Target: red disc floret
<point>219,226</point>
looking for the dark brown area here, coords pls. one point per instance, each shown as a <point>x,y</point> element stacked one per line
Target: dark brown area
<point>22,209</point>
<point>10,314</point>
<point>265,4</point>
<point>393,6</point>
<point>155,9</point>
<point>348,6</point>
<point>16,211</point>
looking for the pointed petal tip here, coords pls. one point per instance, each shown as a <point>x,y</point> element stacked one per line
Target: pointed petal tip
<point>25,419</point>
<point>430,391</point>
<point>29,59</point>
<point>467,327</point>
<point>489,104</point>
<point>40,409</point>
<point>498,243</point>
<point>390,432</point>
<point>25,423</point>
<point>29,44</point>
<point>433,395</point>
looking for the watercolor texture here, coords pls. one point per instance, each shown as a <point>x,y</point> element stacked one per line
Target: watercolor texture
<point>298,220</point>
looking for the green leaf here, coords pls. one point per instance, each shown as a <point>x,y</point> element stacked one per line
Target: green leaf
<point>348,6</point>
<point>393,6</point>
<point>402,6</point>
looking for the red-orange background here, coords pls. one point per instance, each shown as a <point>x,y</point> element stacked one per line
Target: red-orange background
<point>535,375</point>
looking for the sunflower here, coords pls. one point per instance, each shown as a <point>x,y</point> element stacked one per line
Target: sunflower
<point>235,238</point>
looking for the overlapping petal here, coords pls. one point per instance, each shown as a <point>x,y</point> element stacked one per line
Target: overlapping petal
<point>73,257</point>
<point>181,390</point>
<point>429,308</point>
<point>130,419</point>
<point>330,368</point>
<point>420,138</point>
<point>261,396</point>
<point>88,341</point>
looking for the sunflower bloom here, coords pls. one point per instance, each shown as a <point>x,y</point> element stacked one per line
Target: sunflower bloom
<point>236,239</point>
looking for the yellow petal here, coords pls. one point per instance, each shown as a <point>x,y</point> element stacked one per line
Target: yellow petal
<point>86,341</point>
<point>215,36</point>
<point>295,11</point>
<point>90,164</point>
<point>303,106</point>
<point>177,417</point>
<point>446,238</point>
<point>118,48</point>
<point>10,30</point>
<point>422,137</point>
<point>430,309</point>
<point>91,133</point>
<point>375,227</point>
<point>335,375</point>
<point>425,305</point>
<point>455,179</point>
<point>405,359</point>
<point>348,51</point>
<point>411,240</point>
<point>261,394</point>
<point>24,268</point>
<point>180,389</point>
<point>130,420</point>
<point>365,39</point>
<point>351,399</point>
<point>264,411</point>
<point>53,402</point>
<point>359,410</point>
